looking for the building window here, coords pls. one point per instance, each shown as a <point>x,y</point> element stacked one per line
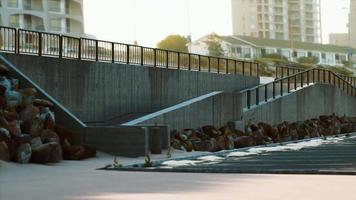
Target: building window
<point>14,21</point>
<point>54,5</point>
<point>13,3</point>
<point>55,25</point>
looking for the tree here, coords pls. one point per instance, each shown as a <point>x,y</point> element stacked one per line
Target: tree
<point>214,45</point>
<point>174,43</point>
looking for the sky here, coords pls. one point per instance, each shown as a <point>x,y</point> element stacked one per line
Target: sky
<point>149,21</point>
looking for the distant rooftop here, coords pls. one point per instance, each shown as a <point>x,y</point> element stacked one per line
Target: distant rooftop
<point>262,42</point>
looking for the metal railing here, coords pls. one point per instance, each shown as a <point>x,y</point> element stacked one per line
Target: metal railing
<point>283,86</point>
<point>284,71</point>
<point>37,43</point>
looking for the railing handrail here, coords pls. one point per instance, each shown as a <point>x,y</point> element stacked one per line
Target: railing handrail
<point>350,88</point>
<point>165,56</point>
<point>277,80</point>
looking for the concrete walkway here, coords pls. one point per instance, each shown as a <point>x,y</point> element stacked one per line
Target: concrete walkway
<point>78,180</point>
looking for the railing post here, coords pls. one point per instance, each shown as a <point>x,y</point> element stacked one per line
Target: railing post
<point>96,50</point>
<point>248,99</point>
<point>178,63</point>
<point>80,49</point>
<point>329,77</point>
<point>141,55</point>
<point>266,93</point>
<point>199,61</point>
<point>250,68</point>
<point>288,71</point>
<point>318,75</point>
<point>218,65</point>
<point>313,75</point>
<point>189,62</point>
<point>243,67</point>
<point>112,52</point>
<point>288,87</point>
<point>155,58</point>
<point>167,61</point>
<point>226,66</point>
<point>281,87</point>
<point>274,90</point>
<point>257,96</point>
<point>235,71</point>
<point>301,80</point>
<point>295,82</point>
<point>308,78</point>
<point>39,44</point>
<point>127,54</point>
<point>209,65</point>
<point>258,69</point>
<point>60,46</point>
<point>17,41</point>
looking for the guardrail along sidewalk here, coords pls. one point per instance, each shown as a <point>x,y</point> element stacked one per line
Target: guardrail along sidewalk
<point>21,41</point>
<point>283,71</point>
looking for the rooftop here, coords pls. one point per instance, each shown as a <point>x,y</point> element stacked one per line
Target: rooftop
<point>262,42</point>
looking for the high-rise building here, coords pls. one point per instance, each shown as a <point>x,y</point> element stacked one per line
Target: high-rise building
<point>298,20</point>
<point>352,23</point>
<point>58,16</point>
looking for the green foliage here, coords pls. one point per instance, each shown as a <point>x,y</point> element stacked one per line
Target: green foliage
<point>275,56</point>
<point>214,45</point>
<point>263,64</point>
<point>174,43</point>
<point>340,70</point>
<point>308,60</point>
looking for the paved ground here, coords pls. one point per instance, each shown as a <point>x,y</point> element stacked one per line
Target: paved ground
<point>78,180</point>
<point>328,158</point>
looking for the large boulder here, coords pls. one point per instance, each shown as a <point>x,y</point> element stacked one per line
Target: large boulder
<point>244,141</point>
<point>47,153</point>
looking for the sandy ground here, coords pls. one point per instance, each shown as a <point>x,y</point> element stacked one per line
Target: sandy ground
<point>79,180</point>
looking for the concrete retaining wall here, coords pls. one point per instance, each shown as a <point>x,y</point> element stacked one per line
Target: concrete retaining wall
<point>96,91</point>
<point>307,103</point>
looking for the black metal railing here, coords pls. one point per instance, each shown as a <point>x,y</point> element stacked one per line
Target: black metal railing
<point>283,86</point>
<point>284,71</point>
<point>37,43</point>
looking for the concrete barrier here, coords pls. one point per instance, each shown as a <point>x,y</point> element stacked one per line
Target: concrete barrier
<point>97,92</point>
<point>307,103</point>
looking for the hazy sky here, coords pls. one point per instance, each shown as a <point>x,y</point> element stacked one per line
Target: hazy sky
<point>149,21</point>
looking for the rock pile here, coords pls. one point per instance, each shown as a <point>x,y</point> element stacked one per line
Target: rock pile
<point>28,132</point>
<point>210,138</point>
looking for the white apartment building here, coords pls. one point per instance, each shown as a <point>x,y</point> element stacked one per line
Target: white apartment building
<point>56,16</point>
<point>249,48</point>
<point>298,20</point>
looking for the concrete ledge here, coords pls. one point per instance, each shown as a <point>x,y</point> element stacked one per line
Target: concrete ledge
<point>119,141</point>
